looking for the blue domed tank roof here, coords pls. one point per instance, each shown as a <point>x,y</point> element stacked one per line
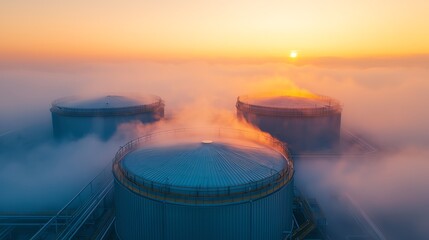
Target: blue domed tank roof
<point>107,101</point>
<point>205,164</point>
<point>106,105</point>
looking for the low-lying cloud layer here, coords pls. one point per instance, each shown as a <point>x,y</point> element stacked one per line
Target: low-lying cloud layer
<point>385,104</point>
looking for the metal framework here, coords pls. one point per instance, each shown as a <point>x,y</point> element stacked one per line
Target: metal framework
<point>204,195</point>
<point>333,107</point>
<point>70,219</point>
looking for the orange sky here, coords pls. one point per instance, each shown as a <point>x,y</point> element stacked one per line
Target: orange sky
<point>213,29</point>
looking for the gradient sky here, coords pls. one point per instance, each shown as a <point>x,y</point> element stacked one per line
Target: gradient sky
<point>212,29</point>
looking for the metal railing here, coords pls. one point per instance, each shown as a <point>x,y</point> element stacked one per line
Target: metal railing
<point>152,107</point>
<point>76,208</point>
<point>204,195</point>
<point>333,107</point>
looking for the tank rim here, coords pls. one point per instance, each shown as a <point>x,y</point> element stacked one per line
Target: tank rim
<point>204,195</point>
<point>56,108</point>
<point>333,108</point>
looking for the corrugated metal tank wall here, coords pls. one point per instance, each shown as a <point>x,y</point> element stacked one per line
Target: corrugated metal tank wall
<point>138,217</point>
<point>66,126</point>
<point>306,133</point>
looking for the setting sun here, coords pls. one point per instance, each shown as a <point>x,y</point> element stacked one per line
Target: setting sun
<point>293,54</point>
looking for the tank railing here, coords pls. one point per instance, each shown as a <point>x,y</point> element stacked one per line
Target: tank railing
<point>205,194</point>
<point>94,111</point>
<point>334,107</point>
<point>72,210</point>
<point>200,198</point>
<point>205,191</point>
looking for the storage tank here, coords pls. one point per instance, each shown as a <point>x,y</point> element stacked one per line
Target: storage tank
<point>306,124</point>
<point>203,184</point>
<point>76,117</point>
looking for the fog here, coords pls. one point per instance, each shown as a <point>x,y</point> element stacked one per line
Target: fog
<point>383,103</point>
<point>49,175</point>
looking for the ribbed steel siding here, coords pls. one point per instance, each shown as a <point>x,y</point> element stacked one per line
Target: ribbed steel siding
<point>66,126</point>
<point>307,133</point>
<point>272,215</point>
<point>138,217</point>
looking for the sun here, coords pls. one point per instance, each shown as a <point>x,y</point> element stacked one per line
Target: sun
<point>293,54</point>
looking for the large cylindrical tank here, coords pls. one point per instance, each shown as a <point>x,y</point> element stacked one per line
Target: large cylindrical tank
<point>76,117</point>
<point>306,124</point>
<point>203,184</point>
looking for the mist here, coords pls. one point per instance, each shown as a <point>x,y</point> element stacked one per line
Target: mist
<point>385,104</point>
<point>46,177</point>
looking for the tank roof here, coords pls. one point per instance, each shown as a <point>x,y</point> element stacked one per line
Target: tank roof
<point>288,102</point>
<point>224,168</point>
<point>106,105</point>
<point>108,101</point>
<point>289,105</point>
<point>205,164</point>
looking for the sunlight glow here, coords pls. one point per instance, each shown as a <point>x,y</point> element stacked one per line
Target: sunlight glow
<point>189,29</point>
